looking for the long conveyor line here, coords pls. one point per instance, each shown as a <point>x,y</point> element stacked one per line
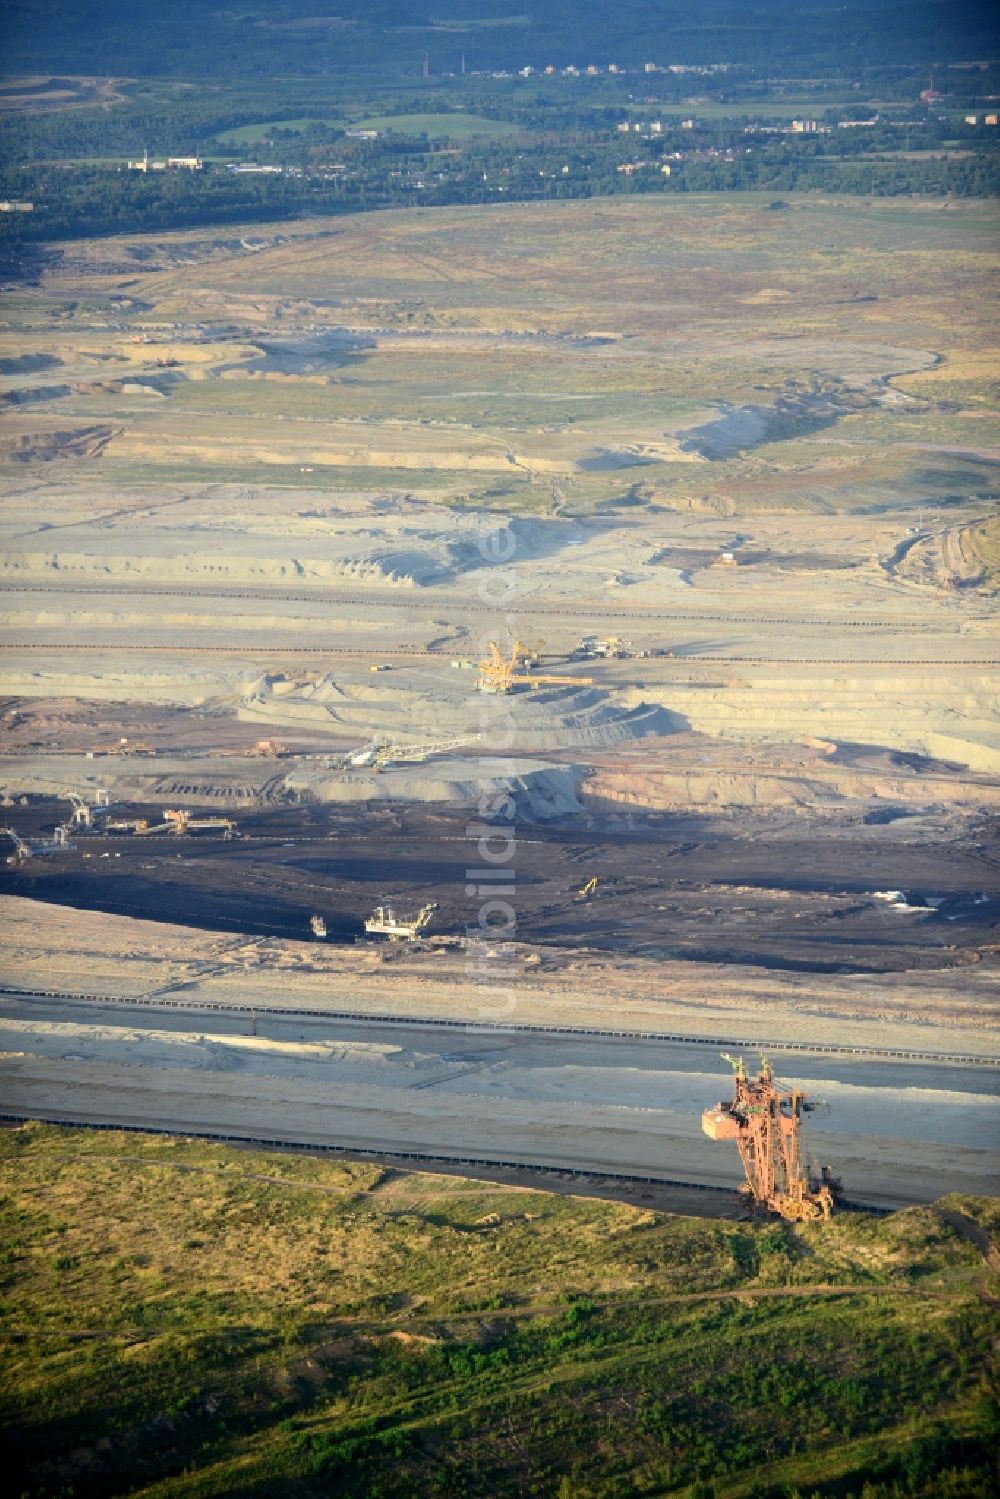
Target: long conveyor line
<point>324,649</point>
<point>472,1027</point>
<point>577,1175</point>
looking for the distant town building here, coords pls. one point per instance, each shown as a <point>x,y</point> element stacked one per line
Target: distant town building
<point>362,135</point>
<point>989,119</point>
<point>972,119</point>
<point>16,205</point>
<point>640,127</point>
<point>805,127</point>
<point>171,163</point>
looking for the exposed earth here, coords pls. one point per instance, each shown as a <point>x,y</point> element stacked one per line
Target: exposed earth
<point>287,486</point>
<point>915,891</point>
<point>174,1028</point>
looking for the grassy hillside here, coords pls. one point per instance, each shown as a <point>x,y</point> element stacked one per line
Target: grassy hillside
<point>186,1319</point>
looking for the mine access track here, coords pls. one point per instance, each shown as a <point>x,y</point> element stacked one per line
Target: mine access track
<point>638,612</point>
<point>468,1027</point>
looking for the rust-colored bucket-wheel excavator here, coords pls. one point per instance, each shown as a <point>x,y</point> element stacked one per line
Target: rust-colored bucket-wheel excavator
<point>764,1120</point>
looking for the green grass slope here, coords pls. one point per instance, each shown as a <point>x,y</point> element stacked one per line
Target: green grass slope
<point>184,1319</point>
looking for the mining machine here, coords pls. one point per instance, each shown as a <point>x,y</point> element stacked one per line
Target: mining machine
<point>22,848</point>
<point>185,822</point>
<point>133,825</point>
<point>318,926</point>
<point>122,746</point>
<point>384,922</point>
<point>84,812</point>
<point>498,673</point>
<point>764,1119</point>
<point>367,756</point>
<point>391,753</point>
<point>614,648</point>
<point>267,749</point>
<point>82,815</point>
<point>25,849</point>
<point>611,648</point>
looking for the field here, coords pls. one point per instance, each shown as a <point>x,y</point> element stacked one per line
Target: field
<point>455,125</point>
<point>813,350</point>
<point>192,1320</point>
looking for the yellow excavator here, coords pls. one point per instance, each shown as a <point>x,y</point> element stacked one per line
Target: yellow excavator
<point>587,890</point>
<point>498,673</point>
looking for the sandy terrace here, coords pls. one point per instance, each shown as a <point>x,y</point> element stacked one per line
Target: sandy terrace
<point>59,948</point>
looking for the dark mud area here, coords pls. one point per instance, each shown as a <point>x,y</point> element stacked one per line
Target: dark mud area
<point>678,887</point>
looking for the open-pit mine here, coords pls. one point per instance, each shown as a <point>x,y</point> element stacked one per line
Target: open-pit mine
<point>462,669</point>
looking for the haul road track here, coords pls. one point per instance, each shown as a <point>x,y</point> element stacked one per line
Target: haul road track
<point>382,601</point>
